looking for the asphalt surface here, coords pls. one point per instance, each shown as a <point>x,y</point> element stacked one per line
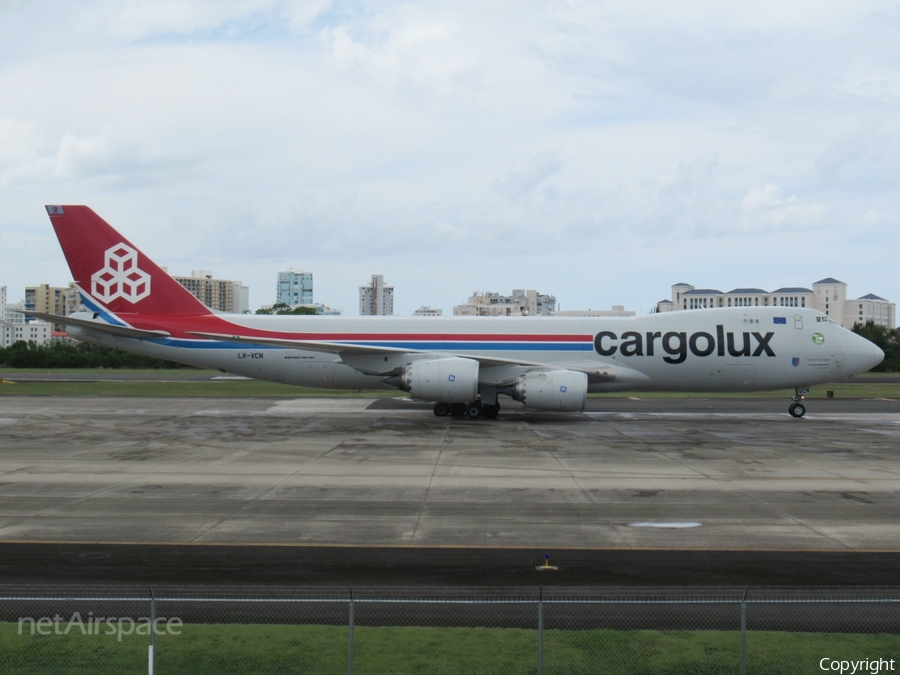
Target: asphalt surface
<point>239,567</point>
<point>351,491</point>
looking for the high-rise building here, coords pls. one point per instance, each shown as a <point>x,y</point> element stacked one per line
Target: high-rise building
<point>47,299</point>
<point>376,298</point>
<point>72,300</point>
<point>13,327</point>
<point>222,295</point>
<point>295,288</point>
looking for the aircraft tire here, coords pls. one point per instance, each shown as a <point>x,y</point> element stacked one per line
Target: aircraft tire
<point>441,409</point>
<point>797,410</point>
<point>474,410</point>
<point>457,410</point>
<point>490,412</point>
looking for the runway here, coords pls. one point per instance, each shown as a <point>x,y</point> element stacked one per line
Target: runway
<point>625,475</point>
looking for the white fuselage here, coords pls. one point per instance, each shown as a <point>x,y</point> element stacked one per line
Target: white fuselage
<point>740,349</point>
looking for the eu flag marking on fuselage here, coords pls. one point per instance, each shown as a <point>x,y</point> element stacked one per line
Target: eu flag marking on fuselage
<point>780,319</point>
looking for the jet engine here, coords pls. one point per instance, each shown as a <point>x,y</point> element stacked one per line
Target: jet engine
<point>558,390</point>
<point>451,380</point>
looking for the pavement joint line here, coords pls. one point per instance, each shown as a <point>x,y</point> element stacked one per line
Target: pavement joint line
<point>260,496</point>
<point>585,473</point>
<point>771,508</point>
<point>552,451</point>
<point>497,547</point>
<point>437,462</point>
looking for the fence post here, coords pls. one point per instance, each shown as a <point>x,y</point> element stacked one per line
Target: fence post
<point>541,633</point>
<point>350,638</point>
<point>744,632</point>
<point>151,656</point>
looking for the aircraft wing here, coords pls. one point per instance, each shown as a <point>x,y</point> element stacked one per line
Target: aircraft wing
<point>98,326</point>
<point>362,350</point>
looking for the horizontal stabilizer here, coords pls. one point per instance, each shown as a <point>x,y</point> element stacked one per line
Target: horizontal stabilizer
<point>99,326</point>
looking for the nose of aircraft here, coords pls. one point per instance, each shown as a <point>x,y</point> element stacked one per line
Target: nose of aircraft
<point>861,354</point>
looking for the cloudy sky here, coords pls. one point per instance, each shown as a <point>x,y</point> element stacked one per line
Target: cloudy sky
<point>599,151</point>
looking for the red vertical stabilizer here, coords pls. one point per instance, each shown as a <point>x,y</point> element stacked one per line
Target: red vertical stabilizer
<point>113,271</point>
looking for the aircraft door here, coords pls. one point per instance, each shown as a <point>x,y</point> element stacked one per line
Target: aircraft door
<point>798,321</point>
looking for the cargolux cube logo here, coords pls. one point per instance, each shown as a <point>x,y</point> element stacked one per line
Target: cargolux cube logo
<point>120,277</point>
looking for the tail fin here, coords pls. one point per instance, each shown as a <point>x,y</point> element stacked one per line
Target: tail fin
<point>112,271</point>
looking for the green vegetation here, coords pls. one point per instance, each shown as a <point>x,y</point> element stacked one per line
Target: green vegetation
<point>888,340</point>
<point>844,390</point>
<point>231,648</point>
<point>79,355</point>
<point>184,388</point>
<point>284,308</point>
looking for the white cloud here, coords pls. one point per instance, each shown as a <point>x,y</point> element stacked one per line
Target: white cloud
<point>524,178</point>
<point>765,208</point>
<point>878,83</point>
<point>110,151</point>
<point>763,197</point>
<point>454,145</point>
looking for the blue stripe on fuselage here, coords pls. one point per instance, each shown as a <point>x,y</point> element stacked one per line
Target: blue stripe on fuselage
<point>208,344</point>
<point>487,346</point>
<point>101,313</point>
<point>418,346</point>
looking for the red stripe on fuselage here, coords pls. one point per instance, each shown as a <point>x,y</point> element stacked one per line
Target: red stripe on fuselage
<point>182,325</point>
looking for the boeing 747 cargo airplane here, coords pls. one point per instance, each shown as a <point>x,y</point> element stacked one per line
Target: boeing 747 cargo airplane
<point>461,364</point>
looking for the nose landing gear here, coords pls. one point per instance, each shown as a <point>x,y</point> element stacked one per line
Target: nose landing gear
<point>797,408</point>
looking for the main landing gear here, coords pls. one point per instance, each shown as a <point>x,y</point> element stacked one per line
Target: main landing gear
<point>797,408</point>
<point>472,410</point>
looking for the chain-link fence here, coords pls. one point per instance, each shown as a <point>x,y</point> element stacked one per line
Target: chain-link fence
<point>202,630</point>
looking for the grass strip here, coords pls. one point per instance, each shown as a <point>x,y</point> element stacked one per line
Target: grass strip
<point>840,389</point>
<point>260,389</point>
<point>187,389</point>
<point>312,649</point>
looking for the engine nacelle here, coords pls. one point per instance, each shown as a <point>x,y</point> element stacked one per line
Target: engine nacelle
<point>451,380</point>
<point>558,390</point>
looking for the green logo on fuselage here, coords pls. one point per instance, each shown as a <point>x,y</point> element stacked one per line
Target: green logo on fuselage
<point>818,338</point>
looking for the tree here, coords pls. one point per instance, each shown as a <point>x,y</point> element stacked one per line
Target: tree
<point>887,339</point>
<point>284,308</point>
<point>79,355</point>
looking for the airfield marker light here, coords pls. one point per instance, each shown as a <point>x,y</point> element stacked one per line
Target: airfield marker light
<point>546,566</point>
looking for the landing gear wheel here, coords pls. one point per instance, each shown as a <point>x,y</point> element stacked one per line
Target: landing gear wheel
<point>797,410</point>
<point>490,412</point>
<point>457,409</point>
<point>441,409</point>
<point>474,410</point>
